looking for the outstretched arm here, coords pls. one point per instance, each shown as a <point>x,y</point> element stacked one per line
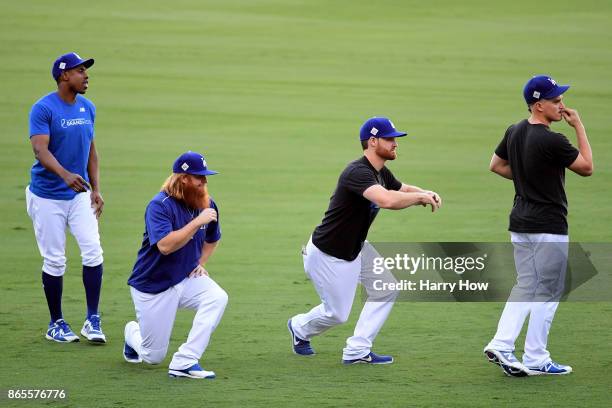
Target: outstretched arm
<point>407,188</point>
<point>396,200</point>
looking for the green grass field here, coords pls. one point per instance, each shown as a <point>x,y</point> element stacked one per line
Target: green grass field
<point>274,92</point>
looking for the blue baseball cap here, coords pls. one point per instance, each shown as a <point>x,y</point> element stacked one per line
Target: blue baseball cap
<point>379,127</point>
<point>192,163</point>
<point>542,87</point>
<point>69,61</point>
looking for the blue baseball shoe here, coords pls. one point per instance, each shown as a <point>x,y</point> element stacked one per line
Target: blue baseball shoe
<point>92,330</point>
<point>507,361</point>
<point>371,358</point>
<point>195,371</point>
<point>550,368</point>
<point>130,355</point>
<point>299,346</point>
<point>61,332</point>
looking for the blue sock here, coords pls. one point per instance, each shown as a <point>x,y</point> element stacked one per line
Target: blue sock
<point>53,286</point>
<point>92,280</point>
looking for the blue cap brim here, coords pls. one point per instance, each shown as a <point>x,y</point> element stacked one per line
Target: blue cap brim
<point>393,134</point>
<point>204,173</point>
<point>559,90</point>
<point>86,63</point>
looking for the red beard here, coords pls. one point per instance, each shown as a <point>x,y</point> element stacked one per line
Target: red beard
<point>196,197</point>
<point>386,154</point>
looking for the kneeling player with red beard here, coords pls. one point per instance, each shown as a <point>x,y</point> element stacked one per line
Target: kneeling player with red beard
<point>181,233</point>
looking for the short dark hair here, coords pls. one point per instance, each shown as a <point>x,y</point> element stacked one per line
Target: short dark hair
<point>364,144</point>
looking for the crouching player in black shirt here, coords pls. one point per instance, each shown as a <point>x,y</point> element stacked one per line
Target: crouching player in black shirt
<point>333,255</point>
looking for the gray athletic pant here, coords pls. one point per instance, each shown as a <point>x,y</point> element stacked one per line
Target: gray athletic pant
<point>541,261</point>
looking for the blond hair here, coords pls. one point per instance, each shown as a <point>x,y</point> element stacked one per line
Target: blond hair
<point>173,186</point>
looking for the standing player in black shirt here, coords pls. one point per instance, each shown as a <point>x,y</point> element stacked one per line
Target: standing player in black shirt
<point>534,158</point>
<point>333,256</point>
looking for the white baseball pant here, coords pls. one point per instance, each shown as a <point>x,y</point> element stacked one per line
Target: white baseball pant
<point>156,314</point>
<point>335,280</point>
<point>541,261</point>
<point>50,218</point>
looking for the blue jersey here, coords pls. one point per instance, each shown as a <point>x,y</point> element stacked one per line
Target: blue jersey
<point>71,129</point>
<point>154,272</point>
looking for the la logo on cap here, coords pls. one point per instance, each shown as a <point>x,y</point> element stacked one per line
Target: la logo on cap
<point>552,81</point>
<point>203,162</point>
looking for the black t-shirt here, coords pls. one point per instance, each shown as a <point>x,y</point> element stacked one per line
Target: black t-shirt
<point>346,222</point>
<point>538,158</point>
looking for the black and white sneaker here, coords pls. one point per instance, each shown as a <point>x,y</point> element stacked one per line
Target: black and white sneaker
<point>507,361</point>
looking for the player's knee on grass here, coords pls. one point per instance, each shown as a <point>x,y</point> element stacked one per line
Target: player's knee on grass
<point>151,356</point>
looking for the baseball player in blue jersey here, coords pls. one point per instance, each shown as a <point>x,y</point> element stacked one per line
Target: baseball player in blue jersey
<point>64,191</point>
<point>181,233</point>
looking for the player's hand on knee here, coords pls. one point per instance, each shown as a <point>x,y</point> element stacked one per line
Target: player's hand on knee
<point>75,182</point>
<point>97,203</point>
<point>198,271</point>
<point>207,216</point>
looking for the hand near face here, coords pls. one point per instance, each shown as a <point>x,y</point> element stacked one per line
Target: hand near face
<point>207,216</point>
<point>571,117</point>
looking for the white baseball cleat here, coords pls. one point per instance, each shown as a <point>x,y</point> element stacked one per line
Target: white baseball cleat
<point>61,332</point>
<point>371,358</point>
<point>92,330</point>
<point>195,371</point>
<point>550,368</point>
